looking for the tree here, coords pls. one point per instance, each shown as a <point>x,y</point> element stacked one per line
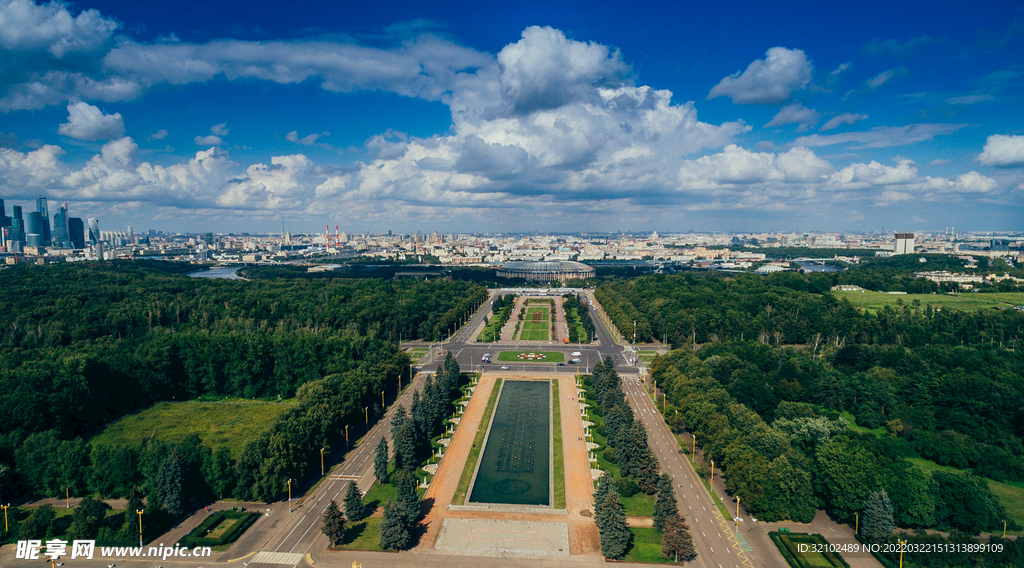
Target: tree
<point>408,498</point>
<point>604,485</point>
<point>380,461</point>
<point>219,472</point>
<point>878,522</point>
<point>334,523</point>
<point>964,501</point>
<point>394,533</point>
<point>88,518</point>
<point>130,524</point>
<point>354,509</point>
<point>665,506</point>
<point>613,528</point>
<point>168,488</point>
<point>676,541</point>
<point>38,524</point>
<point>405,447</point>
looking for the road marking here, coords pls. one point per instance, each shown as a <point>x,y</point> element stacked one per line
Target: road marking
<point>276,558</point>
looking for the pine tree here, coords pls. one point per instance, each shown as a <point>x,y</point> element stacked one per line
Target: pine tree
<point>394,534</point>
<point>613,528</point>
<point>169,486</point>
<point>877,523</point>
<point>405,447</point>
<point>408,498</point>
<point>417,412</point>
<point>603,487</point>
<point>400,418</point>
<point>354,509</point>
<point>380,461</point>
<point>676,541</point>
<point>646,470</point>
<point>334,524</point>
<point>665,506</point>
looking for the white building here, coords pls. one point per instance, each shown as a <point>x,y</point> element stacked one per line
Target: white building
<point>904,243</point>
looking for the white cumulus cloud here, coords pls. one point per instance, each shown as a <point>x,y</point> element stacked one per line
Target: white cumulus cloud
<point>86,122</point>
<point>771,80</point>
<point>1002,150</point>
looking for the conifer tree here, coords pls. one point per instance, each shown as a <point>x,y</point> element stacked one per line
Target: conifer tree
<point>877,524</point>
<point>613,528</point>
<point>169,486</point>
<point>394,534</point>
<point>334,524</point>
<point>408,498</point>
<point>380,461</point>
<point>603,486</point>
<point>665,506</point>
<point>676,541</point>
<point>354,509</point>
<point>405,447</point>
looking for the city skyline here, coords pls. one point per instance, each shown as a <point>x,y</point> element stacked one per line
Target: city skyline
<point>488,119</point>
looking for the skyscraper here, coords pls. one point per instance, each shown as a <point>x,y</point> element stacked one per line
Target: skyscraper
<point>60,227</point>
<point>34,230</point>
<point>94,231</point>
<point>45,213</point>
<point>5,221</point>
<point>76,232</point>
<point>17,225</point>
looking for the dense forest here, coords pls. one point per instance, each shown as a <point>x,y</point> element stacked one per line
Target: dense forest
<point>788,308</point>
<point>83,345</point>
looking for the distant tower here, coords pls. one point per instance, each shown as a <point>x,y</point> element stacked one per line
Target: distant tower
<point>76,233</point>
<point>60,227</point>
<point>94,231</point>
<point>5,221</point>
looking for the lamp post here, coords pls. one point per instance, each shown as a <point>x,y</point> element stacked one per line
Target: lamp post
<point>382,399</point>
<point>5,507</point>
<point>366,410</point>
<point>712,476</point>
<point>289,496</point>
<point>693,451</point>
<point>903,544</point>
<point>346,434</point>
<point>67,496</point>
<point>856,523</point>
<point>321,462</point>
<point>737,512</point>
<point>139,512</point>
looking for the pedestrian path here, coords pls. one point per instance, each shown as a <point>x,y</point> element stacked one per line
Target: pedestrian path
<point>286,558</point>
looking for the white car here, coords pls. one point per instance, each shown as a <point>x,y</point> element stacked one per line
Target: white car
<point>504,367</point>
<point>575,360</point>
<point>575,354</point>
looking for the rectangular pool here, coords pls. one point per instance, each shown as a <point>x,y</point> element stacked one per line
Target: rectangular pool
<point>515,467</point>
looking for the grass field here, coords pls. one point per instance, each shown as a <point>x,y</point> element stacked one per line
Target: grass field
<point>536,323</point>
<point>851,423</point>
<point>556,441</point>
<point>549,357</point>
<point>789,546</point>
<point>364,535</point>
<point>534,335</point>
<point>229,424</point>
<point>871,301</point>
<point>646,547</point>
<point>1010,493</point>
<point>474,454</point>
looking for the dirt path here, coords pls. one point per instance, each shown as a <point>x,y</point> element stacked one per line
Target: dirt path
<point>583,536</point>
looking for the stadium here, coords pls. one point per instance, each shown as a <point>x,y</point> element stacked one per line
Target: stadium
<point>546,271</point>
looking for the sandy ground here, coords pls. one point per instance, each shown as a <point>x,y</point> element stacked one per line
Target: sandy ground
<point>583,536</point>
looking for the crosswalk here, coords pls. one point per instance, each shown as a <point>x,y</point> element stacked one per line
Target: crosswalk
<point>286,558</point>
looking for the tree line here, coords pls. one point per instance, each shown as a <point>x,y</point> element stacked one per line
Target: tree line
<point>786,308</point>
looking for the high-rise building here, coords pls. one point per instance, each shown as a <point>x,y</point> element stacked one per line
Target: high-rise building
<point>94,231</point>
<point>5,221</point>
<point>45,213</point>
<point>76,232</point>
<point>34,230</point>
<point>60,227</point>
<point>904,243</point>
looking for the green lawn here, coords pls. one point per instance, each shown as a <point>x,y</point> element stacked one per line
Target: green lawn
<point>965,301</point>
<point>549,357</point>
<point>492,331</point>
<point>229,424</point>
<point>534,335</point>
<point>646,547</point>
<point>556,441</point>
<point>789,545</point>
<point>474,453</point>
<point>364,535</point>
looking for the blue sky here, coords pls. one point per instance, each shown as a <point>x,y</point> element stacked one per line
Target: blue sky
<point>471,116</point>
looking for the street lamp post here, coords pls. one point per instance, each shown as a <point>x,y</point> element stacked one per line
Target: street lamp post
<point>712,476</point>
<point>366,410</point>
<point>5,507</point>
<point>289,496</point>
<point>67,496</point>
<point>903,545</point>
<point>139,512</point>
<point>321,462</point>
<point>737,512</point>
<point>693,451</point>
<point>856,522</point>
<point>382,399</point>
<point>346,434</point>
